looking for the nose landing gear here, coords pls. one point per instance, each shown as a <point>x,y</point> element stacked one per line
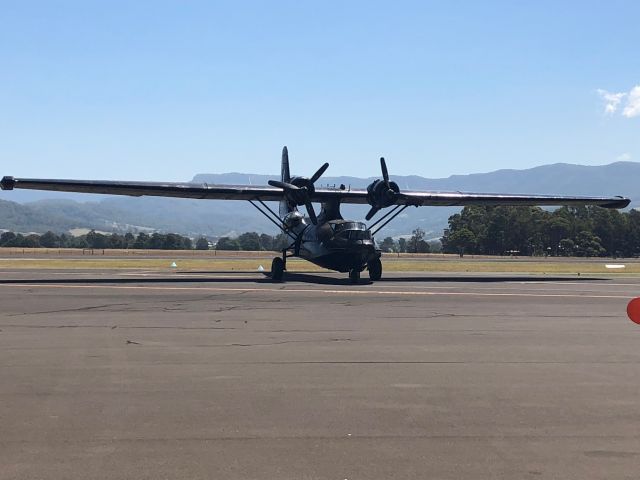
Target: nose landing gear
<point>375,269</point>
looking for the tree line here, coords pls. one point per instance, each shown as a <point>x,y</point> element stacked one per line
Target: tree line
<point>567,231</point>
<point>156,241</point>
<point>96,240</point>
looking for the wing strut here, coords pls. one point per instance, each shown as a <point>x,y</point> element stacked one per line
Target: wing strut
<point>271,216</point>
<point>397,210</point>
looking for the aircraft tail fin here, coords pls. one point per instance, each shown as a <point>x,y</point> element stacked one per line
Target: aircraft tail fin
<point>285,176</point>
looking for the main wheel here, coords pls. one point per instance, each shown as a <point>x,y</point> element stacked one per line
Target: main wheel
<point>375,270</point>
<point>354,275</point>
<point>277,269</point>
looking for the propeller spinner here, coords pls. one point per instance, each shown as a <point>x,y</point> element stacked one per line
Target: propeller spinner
<point>381,193</point>
<point>300,190</point>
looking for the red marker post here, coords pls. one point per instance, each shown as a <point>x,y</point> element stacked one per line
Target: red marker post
<point>633,310</point>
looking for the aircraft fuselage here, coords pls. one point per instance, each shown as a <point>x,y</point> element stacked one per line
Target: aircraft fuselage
<point>341,245</point>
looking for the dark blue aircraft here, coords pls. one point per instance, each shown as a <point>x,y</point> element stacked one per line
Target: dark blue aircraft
<point>325,239</point>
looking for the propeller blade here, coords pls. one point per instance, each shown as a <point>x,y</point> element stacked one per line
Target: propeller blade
<point>385,172</point>
<point>311,212</point>
<point>286,176</point>
<point>371,213</point>
<point>319,173</point>
<point>284,185</point>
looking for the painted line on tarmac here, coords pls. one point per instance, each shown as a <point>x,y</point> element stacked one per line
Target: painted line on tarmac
<point>515,284</point>
<point>312,290</point>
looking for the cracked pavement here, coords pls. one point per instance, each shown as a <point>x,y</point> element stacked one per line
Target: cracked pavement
<point>410,378</point>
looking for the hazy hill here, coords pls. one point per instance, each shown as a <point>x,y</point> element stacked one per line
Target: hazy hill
<point>40,211</point>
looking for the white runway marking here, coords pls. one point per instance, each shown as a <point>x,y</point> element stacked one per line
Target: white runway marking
<point>314,290</point>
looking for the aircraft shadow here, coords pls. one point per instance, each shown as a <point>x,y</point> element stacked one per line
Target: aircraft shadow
<point>317,279</point>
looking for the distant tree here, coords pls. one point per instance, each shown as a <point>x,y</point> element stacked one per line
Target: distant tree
<point>280,242</point>
<point>388,245</point>
<point>49,240</point>
<point>78,242</point>
<point>417,243</point>
<point>31,241</point>
<point>460,241</point>
<point>566,247</point>
<point>65,241</point>
<point>171,241</point>
<point>402,245</point>
<point>435,246</point>
<point>116,241</point>
<point>266,242</point>
<point>156,241</point>
<point>142,240</point>
<point>249,241</point>
<point>96,240</point>
<point>558,228</point>
<point>202,244</point>
<point>129,240</point>
<point>18,241</point>
<point>226,243</point>
<point>588,245</point>
<point>7,239</point>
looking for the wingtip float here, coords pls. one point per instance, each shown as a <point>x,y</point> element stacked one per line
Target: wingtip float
<point>7,183</point>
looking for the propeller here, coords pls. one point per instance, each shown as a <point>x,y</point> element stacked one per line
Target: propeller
<point>300,190</point>
<point>381,193</point>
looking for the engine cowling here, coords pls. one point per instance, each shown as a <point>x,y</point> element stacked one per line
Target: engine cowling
<point>382,193</point>
<point>306,190</point>
<point>299,190</point>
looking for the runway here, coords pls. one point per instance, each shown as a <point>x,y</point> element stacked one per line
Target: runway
<point>184,374</point>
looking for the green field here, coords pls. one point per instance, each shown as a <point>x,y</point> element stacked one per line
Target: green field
<point>250,261</point>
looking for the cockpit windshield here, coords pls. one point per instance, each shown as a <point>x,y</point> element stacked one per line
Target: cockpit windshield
<point>350,230</point>
<point>341,226</point>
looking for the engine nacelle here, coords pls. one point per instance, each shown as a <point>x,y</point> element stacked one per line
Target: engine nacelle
<point>381,194</point>
<point>306,190</point>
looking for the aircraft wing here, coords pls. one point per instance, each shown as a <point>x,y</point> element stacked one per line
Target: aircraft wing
<point>461,199</point>
<point>269,193</point>
<point>154,189</point>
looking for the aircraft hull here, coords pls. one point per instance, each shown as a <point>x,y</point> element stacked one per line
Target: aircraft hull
<point>346,259</point>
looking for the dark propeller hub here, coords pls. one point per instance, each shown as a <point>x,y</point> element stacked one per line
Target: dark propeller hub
<point>299,191</point>
<point>381,193</point>
<point>306,190</point>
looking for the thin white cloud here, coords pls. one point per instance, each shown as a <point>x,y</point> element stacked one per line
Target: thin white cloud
<point>632,108</point>
<point>625,157</point>
<point>611,100</point>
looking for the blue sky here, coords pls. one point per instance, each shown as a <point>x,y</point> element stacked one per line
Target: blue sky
<point>162,90</point>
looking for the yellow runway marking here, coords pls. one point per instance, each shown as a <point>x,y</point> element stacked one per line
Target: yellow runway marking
<point>312,290</point>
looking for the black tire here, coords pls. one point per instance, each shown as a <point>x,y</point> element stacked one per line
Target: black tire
<point>354,276</point>
<point>277,269</point>
<point>375,270</point>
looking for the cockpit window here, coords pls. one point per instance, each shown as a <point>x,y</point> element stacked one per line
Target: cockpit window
<point>359,235</point>
<point>339,227</point>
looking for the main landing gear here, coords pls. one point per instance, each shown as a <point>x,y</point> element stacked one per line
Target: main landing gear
<point>375,269</point>
<point>354,275</point>
<point>278,267</point>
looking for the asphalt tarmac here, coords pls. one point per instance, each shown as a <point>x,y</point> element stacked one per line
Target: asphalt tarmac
<point>201,375</point>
